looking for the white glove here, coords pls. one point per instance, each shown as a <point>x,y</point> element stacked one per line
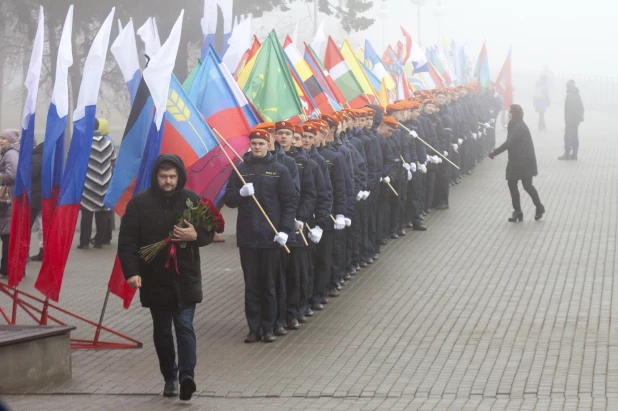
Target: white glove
<point>380,179</point>
<point>406,166</point>
<point>386,179</point>
<point>492,121</point>
<point>348,221</point>
<point>423,168</point>
<point>299,225</point>
<point>247,190</point>
<point>434,159</point>
<point>366,194</point>
<point>439,159</point>
<point>359,196</point>
<point>487,125</point>
<point>446,154</point>
<point>413,167</point>
<point>413,133</point>
<point>339,222</point>
<point>474,136</point>
<point>460,141</point>
<point>315,235</point>
<point>455,147</point>
<point>409,175</point>
<point>281,238</point>
<point>484,131</point>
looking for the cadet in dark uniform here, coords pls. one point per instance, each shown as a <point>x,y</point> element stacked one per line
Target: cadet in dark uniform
<point>259,247</point>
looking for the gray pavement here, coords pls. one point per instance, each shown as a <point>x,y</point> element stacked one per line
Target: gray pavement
<point>474,314</point>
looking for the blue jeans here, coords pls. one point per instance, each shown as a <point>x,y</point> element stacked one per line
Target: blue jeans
<point>162,319</point>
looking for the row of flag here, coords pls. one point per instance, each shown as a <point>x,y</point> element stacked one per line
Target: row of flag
<point>213,110</point>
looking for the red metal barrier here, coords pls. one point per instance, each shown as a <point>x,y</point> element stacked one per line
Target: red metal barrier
<point>25,301</point>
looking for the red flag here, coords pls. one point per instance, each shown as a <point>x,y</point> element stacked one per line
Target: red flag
<point>504,83</point>
<point>408,47</point>
<point>435,76</point>
<point>118,285</point>
<point>399,50</point>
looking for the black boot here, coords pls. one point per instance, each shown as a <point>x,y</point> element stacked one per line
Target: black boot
<point>565,156</point>
<point>540,210</point>
<point>517,216</point>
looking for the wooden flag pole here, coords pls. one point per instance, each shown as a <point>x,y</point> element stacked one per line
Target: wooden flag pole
<point>392,189</point>
<point>427,144</point>
<point>219,138</point>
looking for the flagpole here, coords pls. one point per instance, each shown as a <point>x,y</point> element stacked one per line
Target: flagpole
<point>242,161</point>
<point>428,145</point>
<point>219,138</point>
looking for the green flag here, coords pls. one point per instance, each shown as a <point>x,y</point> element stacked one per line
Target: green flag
<point>270,86</point>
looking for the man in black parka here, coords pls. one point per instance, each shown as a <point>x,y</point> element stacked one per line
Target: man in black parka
<point>573,115</point>
<point>171,296</point>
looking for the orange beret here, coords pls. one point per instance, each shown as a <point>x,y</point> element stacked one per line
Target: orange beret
<point>369,110</point>
<point>440,92</point>
<point>332,121</point>
<point>267,126</point>
<point>284,125</point>
<point>310,128</point>
<point>395,107</point>
<point>318,121</point>
<point>259,133</point>
<point>298,129</point>
<point>414,105</point>
<point>390,121</point>
<point>429,101</point>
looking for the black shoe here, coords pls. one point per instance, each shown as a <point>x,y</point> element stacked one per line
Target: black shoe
<point>333,293</point>
<point>269,337</point>
<point>517,216</point>
<point>309,312</point>
<point>252,337</point>
<point>565,156</point>
<point>409,225</point>
<point>574,157</point>
<point>419,228</point>
<point>394,236</point>
<point>376,257</point>
<point>38,257</point>
<point>280,331</point>
<point>187,388</point>
<point>370,260</point>
<point>348,277</point>
<point>442,207</point>
<point>351,274</point>
<point>99,246</point>
<point>420,217</point>
<point>383,242</point>
<point>171,389</point>
<point>539,212</point>
<point>402,233</point>
<point>316,307</point>
<point>293,324</point>
<point>302,319</point>
<point>324,301</point>
<point>83,247</point>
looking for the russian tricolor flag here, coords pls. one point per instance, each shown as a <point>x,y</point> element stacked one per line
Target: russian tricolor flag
<point>124,50</point>
<point>57,116</point>
<point>20,223</point>
<point>64,219</point>
<point>221,101</point>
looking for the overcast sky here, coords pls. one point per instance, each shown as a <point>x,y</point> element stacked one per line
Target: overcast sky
<point>571,37</point>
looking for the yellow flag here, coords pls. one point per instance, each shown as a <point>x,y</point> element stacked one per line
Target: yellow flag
<point>384,96</point>
<point>243,76</point>
<point>357,70</point>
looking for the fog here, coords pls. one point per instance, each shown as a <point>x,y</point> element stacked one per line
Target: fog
<point>569,38</point>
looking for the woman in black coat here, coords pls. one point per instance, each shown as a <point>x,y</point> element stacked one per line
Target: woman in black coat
<point>522,162</point>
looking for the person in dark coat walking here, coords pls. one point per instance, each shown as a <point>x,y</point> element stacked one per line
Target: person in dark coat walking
<point>522,163</point>
<point>150,216</point>
<point>271,183</point>
<point>9,155</point>
<point>573,115</point>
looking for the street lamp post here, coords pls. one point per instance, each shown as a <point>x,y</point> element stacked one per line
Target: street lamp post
<point>383,15</point>
<point>438,12</point>
<point>419,4</point>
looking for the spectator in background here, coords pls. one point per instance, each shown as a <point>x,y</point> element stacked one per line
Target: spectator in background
<point>35,198</point>
<point>98,177</point>
<point>541,100</point>
<point>9,155</point>
<point>573,115</point>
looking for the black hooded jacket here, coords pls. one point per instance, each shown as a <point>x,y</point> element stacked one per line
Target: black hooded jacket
<point>573,106</point>
<point>149,218</point>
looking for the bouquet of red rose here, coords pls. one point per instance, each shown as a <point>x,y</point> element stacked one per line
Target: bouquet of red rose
<point>204,215</point>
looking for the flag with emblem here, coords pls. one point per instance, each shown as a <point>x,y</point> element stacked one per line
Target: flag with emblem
<point>373,63</point>
<point>344,77</point>
<point>320,73</point>
<point>269,84</point>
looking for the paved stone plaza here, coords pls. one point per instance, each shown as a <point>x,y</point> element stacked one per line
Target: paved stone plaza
<point>474,314</point>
